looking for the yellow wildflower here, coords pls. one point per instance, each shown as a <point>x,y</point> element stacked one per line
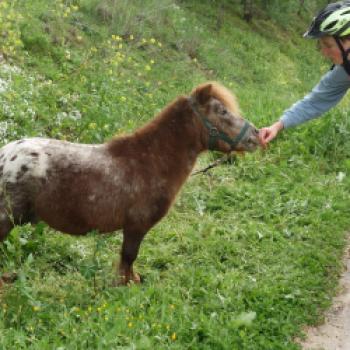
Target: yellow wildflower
<point>173,336</point>
<point>116,37</point>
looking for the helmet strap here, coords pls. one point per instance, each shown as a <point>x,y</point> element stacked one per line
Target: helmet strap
<point>345,54</point>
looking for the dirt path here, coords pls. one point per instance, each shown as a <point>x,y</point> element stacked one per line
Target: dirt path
<point>334,334</point>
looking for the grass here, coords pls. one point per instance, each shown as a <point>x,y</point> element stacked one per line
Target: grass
<point>248,255</point>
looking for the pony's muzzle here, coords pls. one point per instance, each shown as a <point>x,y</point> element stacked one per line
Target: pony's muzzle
<point>252,141</point>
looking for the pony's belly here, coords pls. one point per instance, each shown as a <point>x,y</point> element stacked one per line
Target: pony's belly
<point>79,226</point>
<point>75,213</point>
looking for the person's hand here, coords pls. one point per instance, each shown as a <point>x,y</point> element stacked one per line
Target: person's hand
<point>268,134</point>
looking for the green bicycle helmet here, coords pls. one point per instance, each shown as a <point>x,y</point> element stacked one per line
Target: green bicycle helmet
<point>333,20</point>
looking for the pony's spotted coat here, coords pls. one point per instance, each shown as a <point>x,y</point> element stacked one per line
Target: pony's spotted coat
<point>128,183</point>
<point>20,158</point>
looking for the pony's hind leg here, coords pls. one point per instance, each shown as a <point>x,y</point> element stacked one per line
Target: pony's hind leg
<point>5,227</point>
<point>5,224</point>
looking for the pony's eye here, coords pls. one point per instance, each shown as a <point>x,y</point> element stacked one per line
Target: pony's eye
<point>216,109</point>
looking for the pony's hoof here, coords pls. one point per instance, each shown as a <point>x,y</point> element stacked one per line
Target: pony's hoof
<point>123,281</point>
<point>137,278</point>
<point>8,277</point>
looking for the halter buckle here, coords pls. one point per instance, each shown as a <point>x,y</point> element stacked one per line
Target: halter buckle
<point>214,132</point>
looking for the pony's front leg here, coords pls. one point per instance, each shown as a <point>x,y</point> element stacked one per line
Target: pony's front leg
<point>130,248</point>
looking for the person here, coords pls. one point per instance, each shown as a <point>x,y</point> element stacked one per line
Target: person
<point>331,27</point>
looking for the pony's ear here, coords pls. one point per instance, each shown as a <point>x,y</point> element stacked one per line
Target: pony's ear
<point>203,93</point>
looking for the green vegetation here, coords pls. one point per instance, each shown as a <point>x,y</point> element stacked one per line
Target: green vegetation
<point>248,255</point>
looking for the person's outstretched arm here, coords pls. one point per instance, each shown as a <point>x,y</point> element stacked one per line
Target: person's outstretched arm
<point>325,95</point>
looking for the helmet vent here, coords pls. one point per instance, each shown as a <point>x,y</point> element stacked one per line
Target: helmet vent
<point>346,12</point>
<point>330,25</point>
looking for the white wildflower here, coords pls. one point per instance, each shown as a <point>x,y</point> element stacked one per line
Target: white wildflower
<point>75,115</point>
<point>3,85</point>
<point>340,176</point>
<point>31,112</point>
<point>61,116</point>
<point>6,68</point>
<point>81,249</point>
<point>8,110</point>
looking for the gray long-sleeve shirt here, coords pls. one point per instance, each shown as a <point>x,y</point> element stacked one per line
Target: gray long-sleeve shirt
<point>326,94</point>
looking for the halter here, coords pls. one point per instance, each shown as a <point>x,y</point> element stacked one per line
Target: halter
<point>214,134</point>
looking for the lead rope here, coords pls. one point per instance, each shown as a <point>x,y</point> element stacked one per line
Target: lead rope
<point>212,165</point>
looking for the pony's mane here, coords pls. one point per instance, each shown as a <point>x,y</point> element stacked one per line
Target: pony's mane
<point>176,107</point>
<point>221,93</point>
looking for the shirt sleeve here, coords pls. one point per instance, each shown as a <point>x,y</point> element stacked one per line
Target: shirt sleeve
<point>326,94</point>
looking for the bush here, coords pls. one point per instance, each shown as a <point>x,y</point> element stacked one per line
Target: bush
<point>10,40</point>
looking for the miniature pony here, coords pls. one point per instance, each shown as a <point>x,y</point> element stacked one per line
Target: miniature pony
<point>127,183</point>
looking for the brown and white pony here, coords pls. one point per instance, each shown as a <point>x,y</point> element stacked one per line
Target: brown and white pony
<point>128,183</point>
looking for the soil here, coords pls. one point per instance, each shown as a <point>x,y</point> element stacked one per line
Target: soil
<point>334,334</point>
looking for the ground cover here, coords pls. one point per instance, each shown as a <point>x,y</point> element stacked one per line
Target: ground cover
<point>248,255</point>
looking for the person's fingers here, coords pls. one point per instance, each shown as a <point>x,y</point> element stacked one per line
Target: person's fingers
<point>270,136</point>
<point>264,135</point>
